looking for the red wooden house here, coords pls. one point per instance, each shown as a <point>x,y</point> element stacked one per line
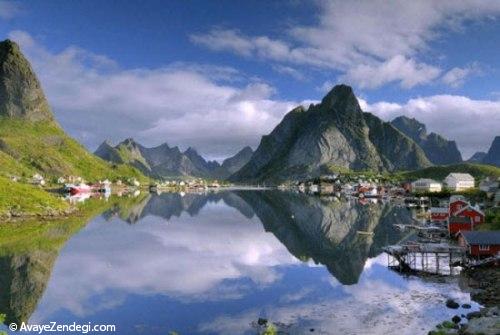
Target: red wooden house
<point>459,223</point>
<point>457,202</point>
<point>439,214</point>
<point>480,243</point>
<point>474,213</point>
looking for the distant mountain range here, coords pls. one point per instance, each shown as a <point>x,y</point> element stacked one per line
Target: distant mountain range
<point>164,161</point>
<point>334,134</point>
<point>492,157</point>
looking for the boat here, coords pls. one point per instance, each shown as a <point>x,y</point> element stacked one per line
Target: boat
<point>78,189</point>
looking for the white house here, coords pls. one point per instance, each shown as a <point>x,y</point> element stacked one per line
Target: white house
<point>459,181</point>
<point>426,185</point>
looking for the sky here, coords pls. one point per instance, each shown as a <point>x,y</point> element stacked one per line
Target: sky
<point>218,75</point>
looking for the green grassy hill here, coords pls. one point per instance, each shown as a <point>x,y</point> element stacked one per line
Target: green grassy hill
<point>43,147</point>
<point>478,171</point>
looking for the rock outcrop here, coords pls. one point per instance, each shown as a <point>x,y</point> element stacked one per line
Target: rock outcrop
<point>21,94</point>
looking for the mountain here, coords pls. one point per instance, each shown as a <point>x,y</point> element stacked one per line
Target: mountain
<point>31,141</point>
<point>164,161</point>
<point>235,163</point>
<point>333,133</point>
<point>326,232</point>
<point>439,150</point>
<point>493,155</point>
<point>477,157</point>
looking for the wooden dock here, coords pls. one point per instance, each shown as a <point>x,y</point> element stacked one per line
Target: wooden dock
<point>425,257</point>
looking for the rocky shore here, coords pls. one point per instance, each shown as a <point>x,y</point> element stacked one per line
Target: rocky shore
<point>484,284</point>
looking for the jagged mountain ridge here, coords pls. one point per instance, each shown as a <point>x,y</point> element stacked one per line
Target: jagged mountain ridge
<point>165,161</point>
<point>335,132</point>
<point>438,150</point>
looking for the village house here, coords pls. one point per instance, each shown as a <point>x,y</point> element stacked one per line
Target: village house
<point>474,213</point>
<point>439,214</point>
<point>459,181</point>
<point>480,243</point>
<point>457,202</point>
<point>426,185</point>
<point>457,224</point>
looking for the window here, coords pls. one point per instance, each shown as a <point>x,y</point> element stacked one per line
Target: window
<point>484,247</point>
<point>478,218</point>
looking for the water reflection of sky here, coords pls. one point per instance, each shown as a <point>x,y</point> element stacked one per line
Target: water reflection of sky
<point>215,272</point>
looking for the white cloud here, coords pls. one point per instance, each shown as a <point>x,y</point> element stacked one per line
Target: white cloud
<point>215,109</point>
<point>397,69</point>
<point>472,123</point>
<point>187,259</point>
<point>361,38</point>
<point>9,9</point>
<point>457,76</point>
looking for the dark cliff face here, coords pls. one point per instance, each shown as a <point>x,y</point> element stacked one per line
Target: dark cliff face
<point>477,157</point>
<point>438,150</point>
<point>235,163</point>
<point>335,132</point>
<point>21,95</point>
<point>493,155</point>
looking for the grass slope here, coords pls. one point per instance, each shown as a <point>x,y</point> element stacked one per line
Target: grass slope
<point>44,147</point>
<point>28,147</point>
<point>478,171</point>
<point>17,198</point>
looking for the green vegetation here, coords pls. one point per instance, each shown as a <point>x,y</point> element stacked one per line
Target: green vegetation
<point>27,148</point>
<point>270,330</point>
<point>43,147</point>
<point>492,219</point>
<point>478,171</point>
<point>19,199</point>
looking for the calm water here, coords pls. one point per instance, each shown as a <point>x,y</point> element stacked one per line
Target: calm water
<point>215,263</point>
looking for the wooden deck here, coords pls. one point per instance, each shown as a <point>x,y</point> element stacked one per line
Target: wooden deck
<point>425,257</point>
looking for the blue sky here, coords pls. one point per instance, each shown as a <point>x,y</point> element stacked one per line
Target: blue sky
<point>217,75</point>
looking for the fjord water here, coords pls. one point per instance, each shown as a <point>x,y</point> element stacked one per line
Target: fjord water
<point>214,263</point>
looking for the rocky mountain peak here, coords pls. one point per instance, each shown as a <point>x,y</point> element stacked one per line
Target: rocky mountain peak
<point>21,95</point>
<point>341,97</point>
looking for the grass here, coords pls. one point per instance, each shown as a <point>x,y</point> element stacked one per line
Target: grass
<point>28,147</point>
<point>45,148</point>
<point>18,198</point>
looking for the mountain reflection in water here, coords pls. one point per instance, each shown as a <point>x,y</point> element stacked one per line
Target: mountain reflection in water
<point>212,263</point>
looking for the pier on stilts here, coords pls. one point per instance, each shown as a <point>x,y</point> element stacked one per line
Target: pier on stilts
<point>425,257</point>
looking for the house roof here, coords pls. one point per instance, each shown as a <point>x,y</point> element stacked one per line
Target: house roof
<point>460,176</point>
<point>427,180</point>
<point>459,219</point>
<point>482,237</point>
<point>470,208</point>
